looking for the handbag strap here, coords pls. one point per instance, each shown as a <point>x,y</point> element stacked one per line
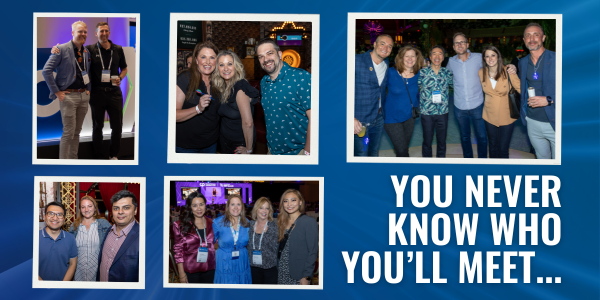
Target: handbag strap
<point>407,91</point>
<point>509,82</point>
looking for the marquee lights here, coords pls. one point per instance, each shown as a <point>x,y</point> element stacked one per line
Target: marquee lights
<point>287,23</point>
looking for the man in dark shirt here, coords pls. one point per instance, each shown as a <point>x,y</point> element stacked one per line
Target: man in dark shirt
<point>71,87</point>
<point>538,111</point>
<point>107,70</point>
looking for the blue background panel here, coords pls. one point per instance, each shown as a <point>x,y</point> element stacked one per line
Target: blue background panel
<point>358,197</point>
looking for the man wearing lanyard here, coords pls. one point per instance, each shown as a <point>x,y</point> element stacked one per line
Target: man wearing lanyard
<point>434,85</point>
<point>71,87</point>
<point>538,71</point>
<point>107,59</point>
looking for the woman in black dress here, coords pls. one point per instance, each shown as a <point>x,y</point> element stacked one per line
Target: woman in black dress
<point>197,129</point>
<point>238,97</point>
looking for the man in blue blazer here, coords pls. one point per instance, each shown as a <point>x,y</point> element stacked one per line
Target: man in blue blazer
<point>119,253</point>
<point>538,71</point>
<point>370,83</point>
<point>71,86</point>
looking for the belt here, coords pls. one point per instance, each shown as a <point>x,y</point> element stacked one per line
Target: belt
<point>105,89</point>
<point>75,91</point>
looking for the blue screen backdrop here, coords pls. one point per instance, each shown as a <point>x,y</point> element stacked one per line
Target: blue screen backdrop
<point>358,197</point>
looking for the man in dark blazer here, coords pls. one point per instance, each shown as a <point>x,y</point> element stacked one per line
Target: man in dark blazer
<point>119,252</point>
<point>370,84</point>
<point>71,87</point>
<point>538,71</point>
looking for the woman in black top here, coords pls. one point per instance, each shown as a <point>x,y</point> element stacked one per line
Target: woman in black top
<point>197,129</point>
<point>238,134</point>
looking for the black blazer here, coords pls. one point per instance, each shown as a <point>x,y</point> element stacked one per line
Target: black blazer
<point>304,247</point>
<point>126,265</point>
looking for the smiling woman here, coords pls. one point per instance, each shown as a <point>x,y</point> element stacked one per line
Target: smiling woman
<point>89,230</point>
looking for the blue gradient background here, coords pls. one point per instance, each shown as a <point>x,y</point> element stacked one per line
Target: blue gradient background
<point>358,197</point>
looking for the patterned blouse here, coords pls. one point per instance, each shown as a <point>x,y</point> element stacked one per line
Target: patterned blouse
<point>88,248</point>
<point>269,246</point>
<point>429,82</point>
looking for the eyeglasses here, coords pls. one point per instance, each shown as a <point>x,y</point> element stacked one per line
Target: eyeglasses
<point>53,214</point>
<point>460,43</point>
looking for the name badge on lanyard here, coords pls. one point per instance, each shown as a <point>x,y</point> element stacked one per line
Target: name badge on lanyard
<point>202,256</point>
<point>235,254</point>
<point>256,254</point>
<point>437,97</point>
<point>86,78</point>
<point>256,257</point>
<point>105,76</point>
<point>105,73</point>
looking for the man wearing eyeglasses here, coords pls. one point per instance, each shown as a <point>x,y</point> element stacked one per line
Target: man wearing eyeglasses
<point>58,248</point>
<point>119,252</point>
<point>468,95</point>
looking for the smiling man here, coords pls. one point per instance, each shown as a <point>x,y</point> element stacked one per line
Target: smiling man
<point>58,248</point>
<point>370,82</point>
<point>434,85</point>
<point>286,101</point>
<point>108,61</point>
<point>538,71</point>
<point>71,87</point>
<point>119,253</point>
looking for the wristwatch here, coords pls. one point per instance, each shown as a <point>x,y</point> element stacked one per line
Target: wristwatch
<point>549,100</point>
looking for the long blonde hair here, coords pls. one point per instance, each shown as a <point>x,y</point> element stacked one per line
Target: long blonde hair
<point>244,222</point>
<point>224,89</point>
<point>80,217</point>
<point>284,216</point>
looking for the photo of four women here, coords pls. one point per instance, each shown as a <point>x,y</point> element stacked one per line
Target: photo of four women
<point>234,250</point>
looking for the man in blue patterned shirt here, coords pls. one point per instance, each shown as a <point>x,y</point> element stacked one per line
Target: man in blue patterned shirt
<point>286,102</point>
<point>434,85</point>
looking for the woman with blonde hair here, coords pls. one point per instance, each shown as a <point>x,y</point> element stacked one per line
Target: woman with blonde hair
<point>298,240</point>
<point>238,97</point>
<point>403,98</point>
<point>496,84</point>
<point>89,230</point>
<point>262,246</point>
<point>231,233</point>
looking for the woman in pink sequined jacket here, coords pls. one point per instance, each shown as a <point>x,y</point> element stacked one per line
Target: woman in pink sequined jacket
<point>193,246</point>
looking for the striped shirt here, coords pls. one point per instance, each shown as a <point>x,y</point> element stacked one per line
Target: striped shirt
<point>88,248</point>
<point>112,245</point>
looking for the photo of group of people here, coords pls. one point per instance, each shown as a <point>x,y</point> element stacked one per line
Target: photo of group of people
<point>483,88</point>
<point>89,231</point>
<point>245,90</point>
<point>249,232</point>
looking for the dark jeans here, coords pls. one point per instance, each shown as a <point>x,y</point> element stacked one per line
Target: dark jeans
<point>264,276</point>
<point>110,101</point>
<point>439,123</point>
<point>464,119</point>
<point>368,145</point>
<point>400,134</point>
<point>201,277</point>
<point>210,149</point>
<point>499,139</point>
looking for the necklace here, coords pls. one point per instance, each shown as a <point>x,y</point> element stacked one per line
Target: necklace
<point>536,76</point>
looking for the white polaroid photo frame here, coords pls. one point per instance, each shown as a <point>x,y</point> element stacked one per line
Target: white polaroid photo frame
<point>312,159</point>
<point>352,17</point>
<point>89,284</point>
<point>166,228</point>
<point>136,83</point>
